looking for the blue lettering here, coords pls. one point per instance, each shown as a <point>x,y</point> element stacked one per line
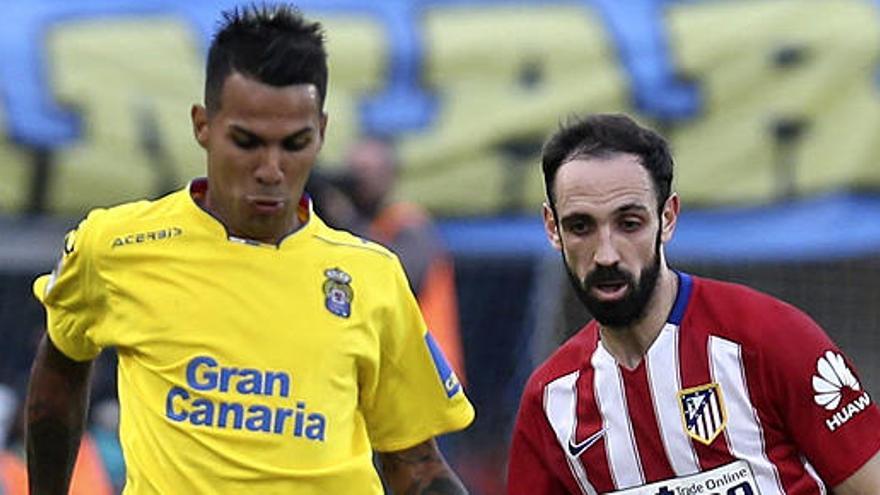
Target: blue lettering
<point>283,379</point>
<point>251,382</point>
<point>202,374</point>
<point>315,428</point>
<point>225,375</point>
<point>35,117</point>
<point>203,412</point>
<point>281,416</point>
<point>298,422</point>
<point>169,404</point>
<point>226,408</point>
<point>641,38</point>
<point>209,378</point>
<point>259,418</point>
<point>403,104</point>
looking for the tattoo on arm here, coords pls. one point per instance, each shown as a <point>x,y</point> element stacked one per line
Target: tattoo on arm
<point>56,405</point>
<point>420,470</point>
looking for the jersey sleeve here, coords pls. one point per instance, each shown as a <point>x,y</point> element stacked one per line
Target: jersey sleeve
<point>416,395</point>
<point>70,295</point>
<point>528,472</point>
<point>819,396</point>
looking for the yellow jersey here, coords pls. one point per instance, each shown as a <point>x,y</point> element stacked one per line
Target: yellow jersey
<point>245,367</point>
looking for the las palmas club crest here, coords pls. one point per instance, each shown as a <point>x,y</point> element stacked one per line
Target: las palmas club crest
<point>338,293</point>
<point>702,411</point>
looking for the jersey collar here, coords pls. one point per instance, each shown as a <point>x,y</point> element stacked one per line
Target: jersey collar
<point>198,188</point>
<point>685,286</point>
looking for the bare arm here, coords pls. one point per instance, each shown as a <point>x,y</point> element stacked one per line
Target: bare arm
<point>865,481</point>
<point>58,396</point>
<point>420,470</point>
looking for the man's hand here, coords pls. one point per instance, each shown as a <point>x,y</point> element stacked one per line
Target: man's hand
<point>420,470</point>
<point>58,396</point>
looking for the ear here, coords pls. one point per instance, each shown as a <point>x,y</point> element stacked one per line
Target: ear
<point>670,217</point>
<point>550,227</point>
<point>199,116</point>
<point>325,117</point>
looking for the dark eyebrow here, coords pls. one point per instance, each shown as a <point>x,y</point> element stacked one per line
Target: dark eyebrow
<point>302,132</point>
<point>251,135</point>
<point>631,207</point>
<point>241,130</point>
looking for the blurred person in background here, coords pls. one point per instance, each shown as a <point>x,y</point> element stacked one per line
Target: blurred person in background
<point>372,169</point>
<point>89,475</point>
<point>331,198</point>
<point>104,430</point>
<point>13,477</point>
<point>9,403</point>
<point>260,351</point>
<point>680,384</point>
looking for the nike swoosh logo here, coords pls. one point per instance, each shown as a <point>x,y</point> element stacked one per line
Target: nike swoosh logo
<point>577,449</point>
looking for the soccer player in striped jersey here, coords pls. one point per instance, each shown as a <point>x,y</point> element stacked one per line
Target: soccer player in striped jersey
<point>681,385</point>
<point>260,351</point>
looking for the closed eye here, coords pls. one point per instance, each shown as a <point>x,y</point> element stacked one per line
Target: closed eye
<point>245,142</point>
<point>297,142</point>
<point>244,139</point>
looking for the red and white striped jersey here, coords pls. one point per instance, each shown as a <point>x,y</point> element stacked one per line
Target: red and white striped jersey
<point>739,394</point>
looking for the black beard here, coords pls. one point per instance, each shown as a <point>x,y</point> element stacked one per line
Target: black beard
<point>626,311</point>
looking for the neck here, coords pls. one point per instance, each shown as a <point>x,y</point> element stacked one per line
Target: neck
<point>629,344</point>
<point>270,235</point>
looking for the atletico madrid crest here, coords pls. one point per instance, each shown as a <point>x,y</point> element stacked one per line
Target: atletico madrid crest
<point>702,411</point>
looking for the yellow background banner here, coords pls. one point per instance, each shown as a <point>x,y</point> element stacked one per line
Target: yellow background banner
<point>786,95</point>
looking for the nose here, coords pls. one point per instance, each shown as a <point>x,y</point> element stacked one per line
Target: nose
<point>606,251</point>
<point>270,170</point>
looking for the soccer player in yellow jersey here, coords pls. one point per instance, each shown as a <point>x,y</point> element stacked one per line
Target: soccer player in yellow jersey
<point>260,351</point>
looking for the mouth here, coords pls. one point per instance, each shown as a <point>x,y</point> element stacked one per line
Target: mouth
<point>609,291</point>
<point>266,205</point>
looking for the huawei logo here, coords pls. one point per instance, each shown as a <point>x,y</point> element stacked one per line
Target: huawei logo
<point>833,375</point>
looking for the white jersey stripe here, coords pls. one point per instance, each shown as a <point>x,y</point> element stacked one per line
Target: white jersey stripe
<point>664,380</point>
<point>716,413</point>
<point>813,474</point>
<point>620,446</point>
<point>744,434</point>
<point>560,407</point>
